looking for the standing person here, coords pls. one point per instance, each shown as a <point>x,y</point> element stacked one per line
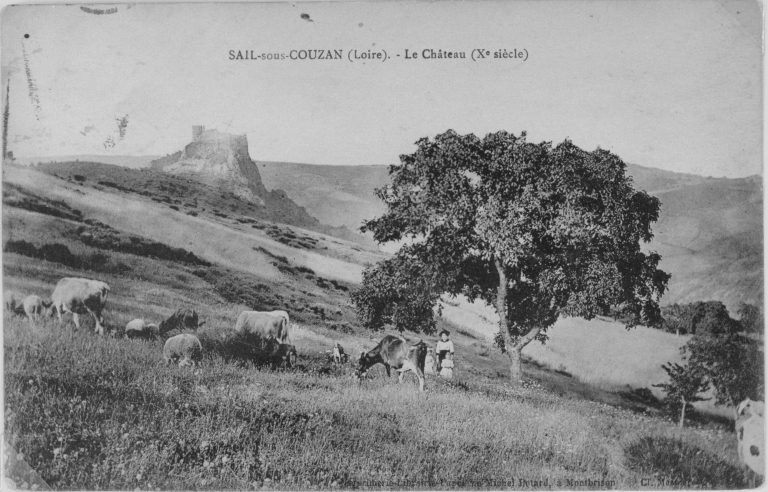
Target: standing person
<point>429,363</point>
<point>447,368</point>
<point>444,347</point>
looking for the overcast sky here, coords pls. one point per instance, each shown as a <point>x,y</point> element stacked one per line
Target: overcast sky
<point>673,85</point>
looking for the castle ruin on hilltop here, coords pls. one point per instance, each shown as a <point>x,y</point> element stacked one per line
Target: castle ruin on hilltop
<point>201,135</point>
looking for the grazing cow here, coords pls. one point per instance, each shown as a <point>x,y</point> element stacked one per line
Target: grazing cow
<point>281,354</point>
<point>750,425</point>
<point>34,307</point>
<point>183,318</point>
<point>262,325</point>
<point>283,314</point>
<point>395,352</point>
<point>81,296</point>
<point>185,349</point>
<point>137,328</point>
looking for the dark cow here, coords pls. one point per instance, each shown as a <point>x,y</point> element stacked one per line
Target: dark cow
<point>395,352</point>
<point>281,354</point>
<point>263,325</point>
<point>183,318</point>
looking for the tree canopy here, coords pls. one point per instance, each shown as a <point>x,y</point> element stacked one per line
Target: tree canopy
<point>751,318</point>
<point>535,230</point>
<point>732,365</point>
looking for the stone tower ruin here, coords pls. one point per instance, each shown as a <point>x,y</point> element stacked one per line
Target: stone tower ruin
<point>197,130</point>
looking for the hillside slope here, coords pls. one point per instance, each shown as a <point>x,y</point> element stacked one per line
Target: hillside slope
<point>105,413</point>
<point>337,195</point>
<point>710,232</point>
<point>195,196</point>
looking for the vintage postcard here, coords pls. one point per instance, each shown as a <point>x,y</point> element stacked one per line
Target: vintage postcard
<point>383,245</point>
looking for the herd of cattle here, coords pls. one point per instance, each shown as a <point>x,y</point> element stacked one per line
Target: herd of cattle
<point>81,296</point>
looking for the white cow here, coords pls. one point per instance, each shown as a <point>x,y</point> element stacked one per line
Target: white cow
<point>750,425</point>
<point>283,314</point>
<point>81,296</point>
<point>35,307</point>
<point>264,325</point>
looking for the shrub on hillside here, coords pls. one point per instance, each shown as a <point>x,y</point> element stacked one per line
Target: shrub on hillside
<point>54,209</point>
<point>681,465</point>
<point>140,246</point>
<point>110,184</point>
<point>60,253</point>
<point>704,317</point>
<point>281,259</point>
<point>341,326</point>
<point>712,318</point>
<point>304,269</point>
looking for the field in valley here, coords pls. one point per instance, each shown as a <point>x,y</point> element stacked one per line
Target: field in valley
<point>106,413</point>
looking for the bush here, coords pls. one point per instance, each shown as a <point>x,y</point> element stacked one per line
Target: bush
<point>60,209</point>
<point>142,247</point>
<point>707,318</point>
<point>59,253</point>
<point>304,269</point>
<point>681,465</point>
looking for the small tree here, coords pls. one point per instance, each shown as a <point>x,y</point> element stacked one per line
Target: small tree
<point>533,230</point>
<point>684,387</point>
<point>677,318</point>
<point>732,366</point>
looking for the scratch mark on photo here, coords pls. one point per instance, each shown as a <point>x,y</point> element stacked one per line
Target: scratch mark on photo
<point>33,97</point>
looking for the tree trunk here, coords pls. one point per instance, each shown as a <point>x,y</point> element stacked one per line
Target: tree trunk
<point>501,301</point>
<point>515,364</point>
<point>514,349</point>
<point>682,414</point>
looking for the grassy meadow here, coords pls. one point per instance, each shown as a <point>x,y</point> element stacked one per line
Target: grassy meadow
<point>89,412</point>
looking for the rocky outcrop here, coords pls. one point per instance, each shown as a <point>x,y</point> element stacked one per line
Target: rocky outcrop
<point>218,159</point>
<point>222,161</point>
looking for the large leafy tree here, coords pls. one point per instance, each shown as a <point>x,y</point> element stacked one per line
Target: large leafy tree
<point>534,230</point>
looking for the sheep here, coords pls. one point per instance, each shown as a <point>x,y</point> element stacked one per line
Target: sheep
<point>185,348</point>
<point>34,307</point>
<point>138,328</point>
<point>750,425</point>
